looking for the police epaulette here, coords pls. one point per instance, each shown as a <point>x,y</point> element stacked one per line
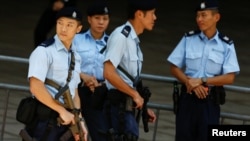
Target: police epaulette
<point>104,48</point>
<point>106,39</point>
<point>126,30</point>
<point>192,32</point>
<point>225,39</point>
<point>47,42</point>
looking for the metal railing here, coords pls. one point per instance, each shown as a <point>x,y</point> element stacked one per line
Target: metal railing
<point>150,77</point>
<point>157,107</point>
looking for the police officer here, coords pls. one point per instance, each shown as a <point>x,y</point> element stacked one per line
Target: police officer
<point>91,45</point>
<point>51,60</point>
<point>47,20</point>
<point>123,50</point>
<point>208,60</point>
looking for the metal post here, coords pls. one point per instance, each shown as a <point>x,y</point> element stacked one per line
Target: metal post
<point>6,103</point>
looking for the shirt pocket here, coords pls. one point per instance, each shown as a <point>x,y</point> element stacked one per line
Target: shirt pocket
<point>86,53</point>
<point>133,59</point>
<point>60,71</point>
<point>214,63</point>
<point>193,61</point>
<point>133,64</point>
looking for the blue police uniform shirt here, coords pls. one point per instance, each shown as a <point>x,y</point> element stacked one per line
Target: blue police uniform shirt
<point>52,62</point>
<point>123,49</point>
<point>89,50</point>
<point>202,57</point>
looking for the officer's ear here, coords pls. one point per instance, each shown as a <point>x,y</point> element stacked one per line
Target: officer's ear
<point>139,14</point>
<point>217,17</point>
<point>79,28</point>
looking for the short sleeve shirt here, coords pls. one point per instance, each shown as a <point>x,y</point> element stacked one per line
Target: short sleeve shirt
<point>52,62</point>
<point>91,53</point>
<point>202,57</point>
<point>123,49</point>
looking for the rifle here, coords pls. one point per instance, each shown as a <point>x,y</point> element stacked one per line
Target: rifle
<point>68,104</point>
<point>145,94</point>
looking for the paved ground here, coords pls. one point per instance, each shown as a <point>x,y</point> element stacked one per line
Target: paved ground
<point>18,19</point>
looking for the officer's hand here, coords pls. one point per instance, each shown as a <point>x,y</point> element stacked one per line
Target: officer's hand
<point>66,117</point>
<point>85,133</point>
<point>58,5</point>
<point>138,101</point>
<point>91,82</point>
<point>152,116</point>
<point>201,92</point>
<point>192,83</point>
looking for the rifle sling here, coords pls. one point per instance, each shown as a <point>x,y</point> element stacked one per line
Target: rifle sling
<point>52,83</point>
<point>126,73</point>
<point>71,68</point>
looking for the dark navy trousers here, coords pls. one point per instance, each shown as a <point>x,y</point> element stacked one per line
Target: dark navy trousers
<point>43,132</point>
<point>95,119</point>
<point>193,117</point>
<point>123,122</point>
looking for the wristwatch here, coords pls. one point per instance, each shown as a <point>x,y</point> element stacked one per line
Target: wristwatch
<point>81,119</point>
<point>204,81</point>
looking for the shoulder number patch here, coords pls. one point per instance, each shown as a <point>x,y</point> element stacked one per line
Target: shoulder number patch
<point>192,32</point>
<point>225,39</point>
<point>47,42</point>
<point>126,30</point>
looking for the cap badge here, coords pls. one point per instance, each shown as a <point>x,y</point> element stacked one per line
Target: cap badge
<point>74,14</point>
<point>191,32</point>
<point>106,10</point>
<point>226,38</point>
<point>203,5</point>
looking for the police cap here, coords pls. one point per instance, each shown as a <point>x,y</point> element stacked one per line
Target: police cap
<point>70,12</point>
<point>98,7</point>
<point>207,4</point>
<point>142,4</point>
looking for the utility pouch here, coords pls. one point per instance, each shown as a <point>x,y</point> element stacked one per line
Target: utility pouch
<point>99,97</point>
<point>26,111</point>
<point>218,94</point>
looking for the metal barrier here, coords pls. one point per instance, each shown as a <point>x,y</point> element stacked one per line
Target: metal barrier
<point>157,107</point>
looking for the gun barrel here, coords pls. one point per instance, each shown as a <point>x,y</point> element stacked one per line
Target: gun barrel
<point>68,103</point>
<point>145,119</point>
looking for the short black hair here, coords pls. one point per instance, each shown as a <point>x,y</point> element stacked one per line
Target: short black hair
<point>144,5</point>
